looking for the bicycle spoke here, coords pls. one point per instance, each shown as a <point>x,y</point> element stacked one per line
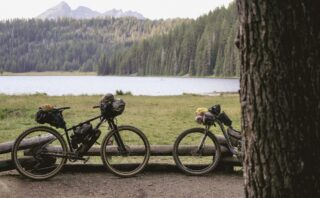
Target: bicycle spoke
<point>130,159</point>
<point>36,162</point>
<point>194,153</point>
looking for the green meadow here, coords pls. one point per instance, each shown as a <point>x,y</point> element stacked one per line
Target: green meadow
<point>161,118</point>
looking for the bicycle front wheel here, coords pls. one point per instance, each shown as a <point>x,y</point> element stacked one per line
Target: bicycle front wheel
<point>39,153</point>
<point>193,159</point>
<point>131,159</point>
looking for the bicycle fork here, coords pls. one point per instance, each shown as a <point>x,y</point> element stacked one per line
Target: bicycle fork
<point>120,143</point>
<point>201,145</point>
<point>121,147</point>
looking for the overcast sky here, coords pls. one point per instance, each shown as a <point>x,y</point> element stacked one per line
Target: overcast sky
<point>153,9</point>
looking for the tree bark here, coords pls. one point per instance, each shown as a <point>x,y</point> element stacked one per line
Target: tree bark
<point>279,44</point>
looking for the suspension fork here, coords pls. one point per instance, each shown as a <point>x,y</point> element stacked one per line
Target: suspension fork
<point>117,136</point>
<point>201,145</point>
<point>227,137</point>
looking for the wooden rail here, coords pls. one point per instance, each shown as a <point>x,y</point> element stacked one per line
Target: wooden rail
<point>6,147</point>
<point>156,150</point>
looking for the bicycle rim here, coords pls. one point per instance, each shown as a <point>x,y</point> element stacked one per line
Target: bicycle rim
<point>39,153</point>
<point>192,160</point>
<point>134,159</point>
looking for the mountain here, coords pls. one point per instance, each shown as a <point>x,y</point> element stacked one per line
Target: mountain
<point>63,10</point>
<point>84,13</point>
<point>60,10</point>
<point>119,13</point>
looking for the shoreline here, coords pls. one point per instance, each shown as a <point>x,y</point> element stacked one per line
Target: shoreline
<point>77,73</point>
<point>49,73</point>
<point>231,93</point>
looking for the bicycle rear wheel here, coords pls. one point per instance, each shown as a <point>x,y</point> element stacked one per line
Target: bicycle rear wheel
<point>39,153</point>
<point>135,157</point>
<point>192,160</point>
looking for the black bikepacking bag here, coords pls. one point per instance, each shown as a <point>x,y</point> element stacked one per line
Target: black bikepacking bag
<point>111,107</point>
<point>53,117</point>
<point>225,119</point>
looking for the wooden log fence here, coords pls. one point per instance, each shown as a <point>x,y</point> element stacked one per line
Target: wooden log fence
<point>156,150</point>
<point>30,142</point>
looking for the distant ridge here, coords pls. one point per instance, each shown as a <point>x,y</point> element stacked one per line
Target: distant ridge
<point>63,10</point>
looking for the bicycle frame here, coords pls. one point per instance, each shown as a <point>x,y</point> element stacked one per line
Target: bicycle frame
<point>112,126</point>
<point>225,134</point>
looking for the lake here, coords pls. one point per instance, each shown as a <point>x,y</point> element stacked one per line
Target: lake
<point>79,85</point>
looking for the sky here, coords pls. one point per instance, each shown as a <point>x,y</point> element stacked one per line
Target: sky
<point>152,9</point>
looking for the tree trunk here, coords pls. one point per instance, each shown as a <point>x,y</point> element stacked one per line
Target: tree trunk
<point>279,44</point>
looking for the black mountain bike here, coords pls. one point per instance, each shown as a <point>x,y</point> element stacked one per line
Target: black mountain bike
<point>40,152</point>
<point>197,151</point>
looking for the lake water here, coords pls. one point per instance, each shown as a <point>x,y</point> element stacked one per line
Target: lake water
<point>78,85</point>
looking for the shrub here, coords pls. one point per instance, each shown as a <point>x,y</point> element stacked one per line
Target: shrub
<point>121,93</point>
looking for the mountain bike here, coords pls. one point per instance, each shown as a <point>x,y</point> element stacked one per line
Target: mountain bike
<point>197,151</point>
<point>41,152</point>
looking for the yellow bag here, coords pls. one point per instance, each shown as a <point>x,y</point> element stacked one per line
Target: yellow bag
<point>201,111</point>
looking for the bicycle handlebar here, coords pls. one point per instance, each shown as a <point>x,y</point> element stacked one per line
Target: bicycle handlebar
<point>97,106</point>
<point>62,108</point>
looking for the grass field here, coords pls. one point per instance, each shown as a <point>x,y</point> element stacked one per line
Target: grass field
<point>162,119</point>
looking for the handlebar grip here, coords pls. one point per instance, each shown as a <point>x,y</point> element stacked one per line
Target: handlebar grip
<point>97,106</point>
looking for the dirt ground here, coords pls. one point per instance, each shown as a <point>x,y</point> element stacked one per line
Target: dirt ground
<point>97,182</point>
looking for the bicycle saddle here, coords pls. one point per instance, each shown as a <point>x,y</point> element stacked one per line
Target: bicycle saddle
<point>50,107</point>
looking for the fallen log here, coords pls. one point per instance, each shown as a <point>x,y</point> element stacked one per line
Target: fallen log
<point>6,147</point>
<point>222,140</point>
<point>157,150</point>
